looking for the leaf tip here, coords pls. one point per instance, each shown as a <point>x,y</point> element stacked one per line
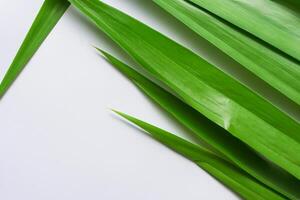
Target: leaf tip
<point>118,112</point>
<point>102,52</point>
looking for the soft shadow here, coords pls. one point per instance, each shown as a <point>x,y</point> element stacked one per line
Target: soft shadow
<point>292,5</point>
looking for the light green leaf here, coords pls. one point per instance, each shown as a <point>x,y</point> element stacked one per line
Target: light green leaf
<point>274,21</point>
<point>258,57</point>
<point>227,146</point>
<point>231,176</point>
<point>48,16</point>
<point>210,91</point>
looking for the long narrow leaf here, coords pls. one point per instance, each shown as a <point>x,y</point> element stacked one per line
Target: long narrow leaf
<point>270,65</point>
<point>228,174</point>
<point>274,21</point>
<point>226,145</point>
<point>206,88</point>
<point>48,16</point>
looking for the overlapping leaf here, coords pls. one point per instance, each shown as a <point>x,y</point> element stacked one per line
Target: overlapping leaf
<point>219,97</point>
<point>269,64</point>
<point>210,91</point>
<point>48,16</point>
<point>239,181</point>
<point>224,144</point>
<point>274,21</point>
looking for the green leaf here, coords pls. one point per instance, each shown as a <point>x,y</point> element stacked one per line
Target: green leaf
<point>258,57</point>
<point>206,88</point>
<point>274,21</point>
<point>231,176</point>
<point>224,144</point>
<point>48,16</point>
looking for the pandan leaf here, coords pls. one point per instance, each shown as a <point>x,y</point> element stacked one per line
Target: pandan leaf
<point>274,21</point>
<point>48,16</point>
<point>203,86</point>
<point>231,176</point>
<point>267,63</point>
<point>227,146</point>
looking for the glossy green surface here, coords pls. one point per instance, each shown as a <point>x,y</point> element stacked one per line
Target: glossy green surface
<point>269,64</point>
<point>215,107</point>
<point>234,178</point>
<point>210,91</point>
<point>225,145</point>
<point>275,21</point>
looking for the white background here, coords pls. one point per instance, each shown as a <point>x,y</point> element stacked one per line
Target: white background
<point>58,138</point>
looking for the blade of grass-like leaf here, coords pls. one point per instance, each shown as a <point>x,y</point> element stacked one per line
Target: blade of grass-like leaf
<point>216,137</point>
<point>237,180</point>
<point>49,14</point>
<point>206,88</point>
<point>270,65</point>
<point>276,22</point>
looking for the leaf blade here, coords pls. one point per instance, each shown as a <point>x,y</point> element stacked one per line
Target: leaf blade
<point>228,174</point>
<point>204,87</point>
<point>49,14</point>
<point>224,144</point>
<point>262,17</point>
<point>278,71</point>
